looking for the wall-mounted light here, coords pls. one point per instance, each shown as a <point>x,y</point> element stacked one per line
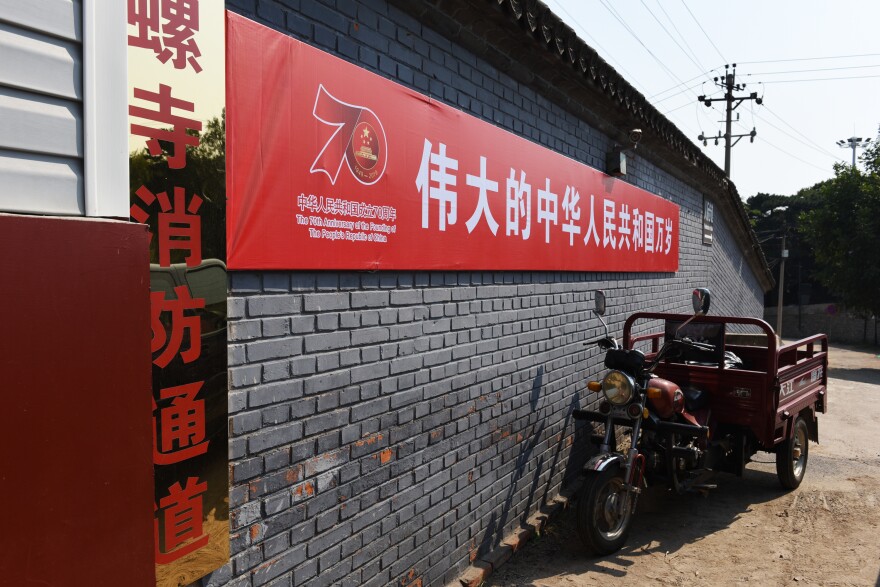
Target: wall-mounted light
<point>615,162</point>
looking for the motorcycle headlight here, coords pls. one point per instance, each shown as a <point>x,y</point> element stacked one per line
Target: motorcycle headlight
<point>618,387</point>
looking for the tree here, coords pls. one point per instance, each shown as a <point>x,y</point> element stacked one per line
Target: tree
<point>843,228</point>
<point>773,215</point>
<point>204,174</point>
<point>871,157</point>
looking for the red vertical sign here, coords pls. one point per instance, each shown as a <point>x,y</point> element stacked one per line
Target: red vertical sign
<point>176,63</point>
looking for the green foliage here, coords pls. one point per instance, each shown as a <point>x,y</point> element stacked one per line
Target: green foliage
<point>843,226</point>
<point>871,157</point>
<point>773,215</point>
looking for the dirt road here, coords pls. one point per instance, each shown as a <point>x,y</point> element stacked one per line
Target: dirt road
<point>749,531</point>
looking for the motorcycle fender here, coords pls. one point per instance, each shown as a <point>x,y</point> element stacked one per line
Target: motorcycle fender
<point>601,462</point>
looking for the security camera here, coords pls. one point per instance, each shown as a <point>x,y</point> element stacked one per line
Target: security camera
<point>635,135</point>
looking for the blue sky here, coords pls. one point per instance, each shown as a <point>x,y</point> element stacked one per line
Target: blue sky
<point>788,52</point>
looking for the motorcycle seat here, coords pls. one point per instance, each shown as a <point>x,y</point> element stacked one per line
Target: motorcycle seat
<point>695,399</point>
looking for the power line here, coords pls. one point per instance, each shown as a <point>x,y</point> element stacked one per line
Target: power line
<point>636,37</point>
<point>675,87</point>
<point>677,108</point>
<point>595,42</point>
<point>781,150</point>
<point>783,121</point>
<point>677,44</point>
<point>809,58</point>
<point>705,33</point>
<point>623,23</point>
<point>680,122</point>
<point>689,103</point>
<point>616,16</point>
<point>818,69</point>
<point>801,141</point>
<point>680,92</point>
<point>681,36</point>
<point>819,79</point>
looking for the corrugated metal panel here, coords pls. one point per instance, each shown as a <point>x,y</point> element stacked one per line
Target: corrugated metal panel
<point>61,18</point>
<point>41,111</point>
<point>41,184</point>
<point>40,63</point>
<point>32,122</point>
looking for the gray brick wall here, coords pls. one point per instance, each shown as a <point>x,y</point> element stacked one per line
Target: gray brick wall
<point>386,427</point>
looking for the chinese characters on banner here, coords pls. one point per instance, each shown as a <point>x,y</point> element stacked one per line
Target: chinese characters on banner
<point>334,167</point>
<point>176,73</point>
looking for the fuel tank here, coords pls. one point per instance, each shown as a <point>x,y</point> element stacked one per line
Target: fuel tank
<point>668,401</point>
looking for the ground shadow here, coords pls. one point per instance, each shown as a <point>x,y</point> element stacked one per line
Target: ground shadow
<point>532,433</point>
<point>864,375</point>
<point>664,523</point>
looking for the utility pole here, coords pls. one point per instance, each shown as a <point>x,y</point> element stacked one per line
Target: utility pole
<point>729,85</point>
<point>781,287</point>
<point>853,143</point>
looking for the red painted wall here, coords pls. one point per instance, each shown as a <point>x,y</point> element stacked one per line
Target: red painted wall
<point>76,482</point>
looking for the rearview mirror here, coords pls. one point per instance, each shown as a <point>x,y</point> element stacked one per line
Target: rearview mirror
<point>700,299</point>
<point>600,303</point>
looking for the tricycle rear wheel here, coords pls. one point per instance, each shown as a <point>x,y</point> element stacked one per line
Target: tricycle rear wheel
<point>604,511</point>
<point>792,454</point>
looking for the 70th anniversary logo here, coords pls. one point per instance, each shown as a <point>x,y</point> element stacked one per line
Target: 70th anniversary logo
<point>359,140</point>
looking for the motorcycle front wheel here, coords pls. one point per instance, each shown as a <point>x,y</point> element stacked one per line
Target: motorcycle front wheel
<point>604,511</point>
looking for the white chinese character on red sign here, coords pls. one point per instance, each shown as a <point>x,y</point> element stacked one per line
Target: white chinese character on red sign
<point>434,182</point>
<point>572,213</point>
<point>484,186</point>
<point>649,232</point>
<point>660,236</point>
<point>547,208</point>
<point>668,235</point>
<point>608,225</point>
<point>623,227</point>
<point>167,28</point>
<point>638,230</point>
<point>591,228</point>
<point>519,205</point>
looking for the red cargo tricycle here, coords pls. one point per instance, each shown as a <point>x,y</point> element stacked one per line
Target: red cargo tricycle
<point>702,402</point>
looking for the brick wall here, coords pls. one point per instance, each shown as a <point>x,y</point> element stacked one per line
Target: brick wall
<point>387,427</point>
<point>832,320</point>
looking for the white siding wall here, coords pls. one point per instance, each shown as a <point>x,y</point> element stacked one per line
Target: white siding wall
<point>41,107</point>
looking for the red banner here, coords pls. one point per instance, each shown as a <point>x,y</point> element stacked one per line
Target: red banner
<point>333,167</point>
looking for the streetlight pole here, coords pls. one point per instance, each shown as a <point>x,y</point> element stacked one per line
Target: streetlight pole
<point>853,143</point>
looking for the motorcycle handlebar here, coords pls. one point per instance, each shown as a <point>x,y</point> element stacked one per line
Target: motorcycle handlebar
<point>697,345</point>
<point>604,342</point>
<point>668,344</point>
